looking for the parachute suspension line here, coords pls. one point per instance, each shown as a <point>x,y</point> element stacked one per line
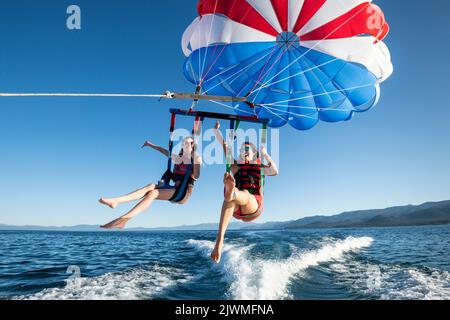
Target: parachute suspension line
<point>203,77</point>
<point>270,106</point>
<point>199,71</point>
<point>239,70</point>
<point>288,113</point>
<point>300,73</point>
<point>209,41</point>
<point>292,107</point>
<point>319,42</point>
<point>270,111</point>
<point>270,69</point>
<point>295,75</point>
<point>229,107</point>
<point>264,68</point>
<point>224,46</point>
<point>314,75</point>
<point>317,95</point>
<point>236,74</point>
<point>276,63</point>
<point>300,108</point>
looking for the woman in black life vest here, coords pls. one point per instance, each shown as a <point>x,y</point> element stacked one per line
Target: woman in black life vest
<point>186,169</point>
<point>243,196</point>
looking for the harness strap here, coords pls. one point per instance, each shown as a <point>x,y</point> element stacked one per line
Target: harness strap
<point>229,147</point>
<point>182,188</point>
<point>180,193</point>
<point>168,174</point>
<point>238,123</point>
<point>263,143</point>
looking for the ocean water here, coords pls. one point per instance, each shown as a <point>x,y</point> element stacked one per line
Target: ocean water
<point>385,263</point>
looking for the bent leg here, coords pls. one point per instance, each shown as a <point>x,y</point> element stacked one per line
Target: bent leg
<point>141,206</point>
<point>246,201</point>
<point>241,198</point>
<point>136,195</point>
<point>232,198</point>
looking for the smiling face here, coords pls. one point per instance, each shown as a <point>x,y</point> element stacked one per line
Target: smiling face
<point>188,145</point>
<point>248,152</point>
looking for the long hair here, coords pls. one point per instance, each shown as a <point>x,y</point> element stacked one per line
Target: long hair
<point>182,149</point>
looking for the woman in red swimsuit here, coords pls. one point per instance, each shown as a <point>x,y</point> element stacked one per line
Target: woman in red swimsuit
<point>243,196</point>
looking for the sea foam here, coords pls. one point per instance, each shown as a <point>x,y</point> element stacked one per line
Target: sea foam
<point>393,282</point>
<point>269,279</point>
<point>133,284</point>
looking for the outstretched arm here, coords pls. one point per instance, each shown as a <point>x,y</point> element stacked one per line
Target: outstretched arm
<point>157,148</point>
<point>271,169</point>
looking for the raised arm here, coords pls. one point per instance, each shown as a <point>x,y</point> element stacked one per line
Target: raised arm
<point>219,136</point>
<point>222,141</point>
<point>157,148</point>
<point>271,168</point>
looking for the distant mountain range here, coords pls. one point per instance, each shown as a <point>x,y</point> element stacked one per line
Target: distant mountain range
<point>430,213</point>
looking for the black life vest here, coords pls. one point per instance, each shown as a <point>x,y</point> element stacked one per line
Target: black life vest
<point>181,170</point>
<point>248,177</point>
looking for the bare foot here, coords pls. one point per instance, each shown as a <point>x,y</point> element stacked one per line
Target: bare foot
<point>108,202</point>
<point>116,224</point>
<point>230,184</point>
<point>216,254</point>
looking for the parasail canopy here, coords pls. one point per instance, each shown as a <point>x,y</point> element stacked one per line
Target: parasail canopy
<point>297,61</point>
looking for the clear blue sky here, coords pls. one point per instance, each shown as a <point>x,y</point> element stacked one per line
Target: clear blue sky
<point>59,155</point>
